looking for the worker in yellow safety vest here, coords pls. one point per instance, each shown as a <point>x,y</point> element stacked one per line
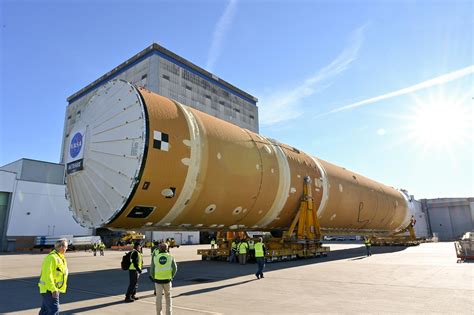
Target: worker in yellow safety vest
<point>213,243</point>
<point>53,279</point>
<point>94,249</point>
<point>162,271</point>
<point>251,255</point>
<point>368,245</point>
<point>260,251</point>
<point>233,251</point>
<point>243,248</point>
<point>101,248</point>
<point>136,264</point>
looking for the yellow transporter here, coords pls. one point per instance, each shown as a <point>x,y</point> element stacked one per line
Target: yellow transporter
<point>140,161</point>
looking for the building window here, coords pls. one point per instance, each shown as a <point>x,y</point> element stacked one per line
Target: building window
<point>208,96</point>
<point>166,77</point>
<point>188,87</point>
<point>237,110</point>
<point>144,76</point>
<point>251,117</point>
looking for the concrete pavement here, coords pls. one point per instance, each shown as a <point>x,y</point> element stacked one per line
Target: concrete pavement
<point>422,279</point>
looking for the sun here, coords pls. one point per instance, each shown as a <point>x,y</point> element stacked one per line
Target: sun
<point>441,124</point>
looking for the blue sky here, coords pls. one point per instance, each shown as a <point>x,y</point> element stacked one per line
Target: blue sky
<point>384,88</point>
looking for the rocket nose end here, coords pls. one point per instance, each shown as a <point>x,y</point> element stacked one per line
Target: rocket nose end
<point>104,154</point>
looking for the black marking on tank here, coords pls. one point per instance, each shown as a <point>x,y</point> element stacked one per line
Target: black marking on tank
<point>160,140</point>
<point>140,212</point>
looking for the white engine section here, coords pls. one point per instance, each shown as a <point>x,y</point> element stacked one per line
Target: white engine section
<point>110,141</point>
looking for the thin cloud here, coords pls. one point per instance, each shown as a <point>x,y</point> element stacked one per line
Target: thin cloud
<point>283,105</point>
<point>221,29</point>
<point>423,85</point>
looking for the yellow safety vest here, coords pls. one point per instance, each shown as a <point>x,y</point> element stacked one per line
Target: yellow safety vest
<point>140,261</point>
<point>54,273</point>
<point>251,244</point>
<point>234,246</point>
<point>243,248</point>
<point>367,243</point>
<point>213,242</point>
<point>259,250</point>
<point>163,266</point>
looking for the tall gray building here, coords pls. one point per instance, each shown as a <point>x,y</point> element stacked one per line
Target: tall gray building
<point>165,73</point>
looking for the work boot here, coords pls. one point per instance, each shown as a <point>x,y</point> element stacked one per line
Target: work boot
<point>256,275</point>
<point>129,300</point>
<point>135,298</point>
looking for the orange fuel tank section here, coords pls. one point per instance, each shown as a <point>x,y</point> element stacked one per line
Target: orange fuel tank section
<point>137,160</point>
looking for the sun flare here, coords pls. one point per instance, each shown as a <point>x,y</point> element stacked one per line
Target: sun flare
<point>442,124</point>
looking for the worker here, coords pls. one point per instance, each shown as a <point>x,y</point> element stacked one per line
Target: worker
<point>260,251</point>
<point>94,249</point>
<point>251,255</point>
<point>162,271</point>
<point>136,263</point>
<point>101,248</point>
<point>154,247</point>
<point>243,248</point>
<point>213,243</point>
<point>233,250</point>
<point>53,279</point>
<point>367,246</point>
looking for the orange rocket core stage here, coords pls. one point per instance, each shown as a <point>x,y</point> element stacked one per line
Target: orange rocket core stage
<point>148,162</point>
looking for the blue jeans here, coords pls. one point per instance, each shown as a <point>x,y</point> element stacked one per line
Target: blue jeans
<point>260,264</point>
<point>232,256</point>
<point>50,305</point>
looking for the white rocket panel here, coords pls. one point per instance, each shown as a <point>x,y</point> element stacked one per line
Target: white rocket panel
<point>114,143</point>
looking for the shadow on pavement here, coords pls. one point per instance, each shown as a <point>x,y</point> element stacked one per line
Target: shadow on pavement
<point>20,294</point>
<point>213,288</point>
<point>90,308</point>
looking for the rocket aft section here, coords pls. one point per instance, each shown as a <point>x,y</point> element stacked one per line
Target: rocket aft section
<point>139,161</point>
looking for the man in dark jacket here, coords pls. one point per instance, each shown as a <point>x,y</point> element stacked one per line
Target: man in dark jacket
<point>136,264</point>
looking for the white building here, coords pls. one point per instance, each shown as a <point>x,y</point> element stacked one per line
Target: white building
<point>33,203</point>
<point>162,71</point>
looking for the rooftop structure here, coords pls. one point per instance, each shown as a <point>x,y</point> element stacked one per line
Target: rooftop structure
<point>165,73</point>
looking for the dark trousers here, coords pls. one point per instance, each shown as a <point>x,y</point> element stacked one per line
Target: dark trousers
<point>133,284</point>
<point>232,256</point>
<point>369,252</point>
<point>50,305</point>
<point>260,266</point>
<point>251,257</point>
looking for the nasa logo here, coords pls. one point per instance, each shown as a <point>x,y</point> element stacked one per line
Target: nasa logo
<point>163,260</point>
<point>76,145</point>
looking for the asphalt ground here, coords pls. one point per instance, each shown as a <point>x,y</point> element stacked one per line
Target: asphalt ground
<point>416,280</point>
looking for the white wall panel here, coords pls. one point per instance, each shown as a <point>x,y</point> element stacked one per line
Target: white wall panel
<point>7,181</point>
<point>41,209</point>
